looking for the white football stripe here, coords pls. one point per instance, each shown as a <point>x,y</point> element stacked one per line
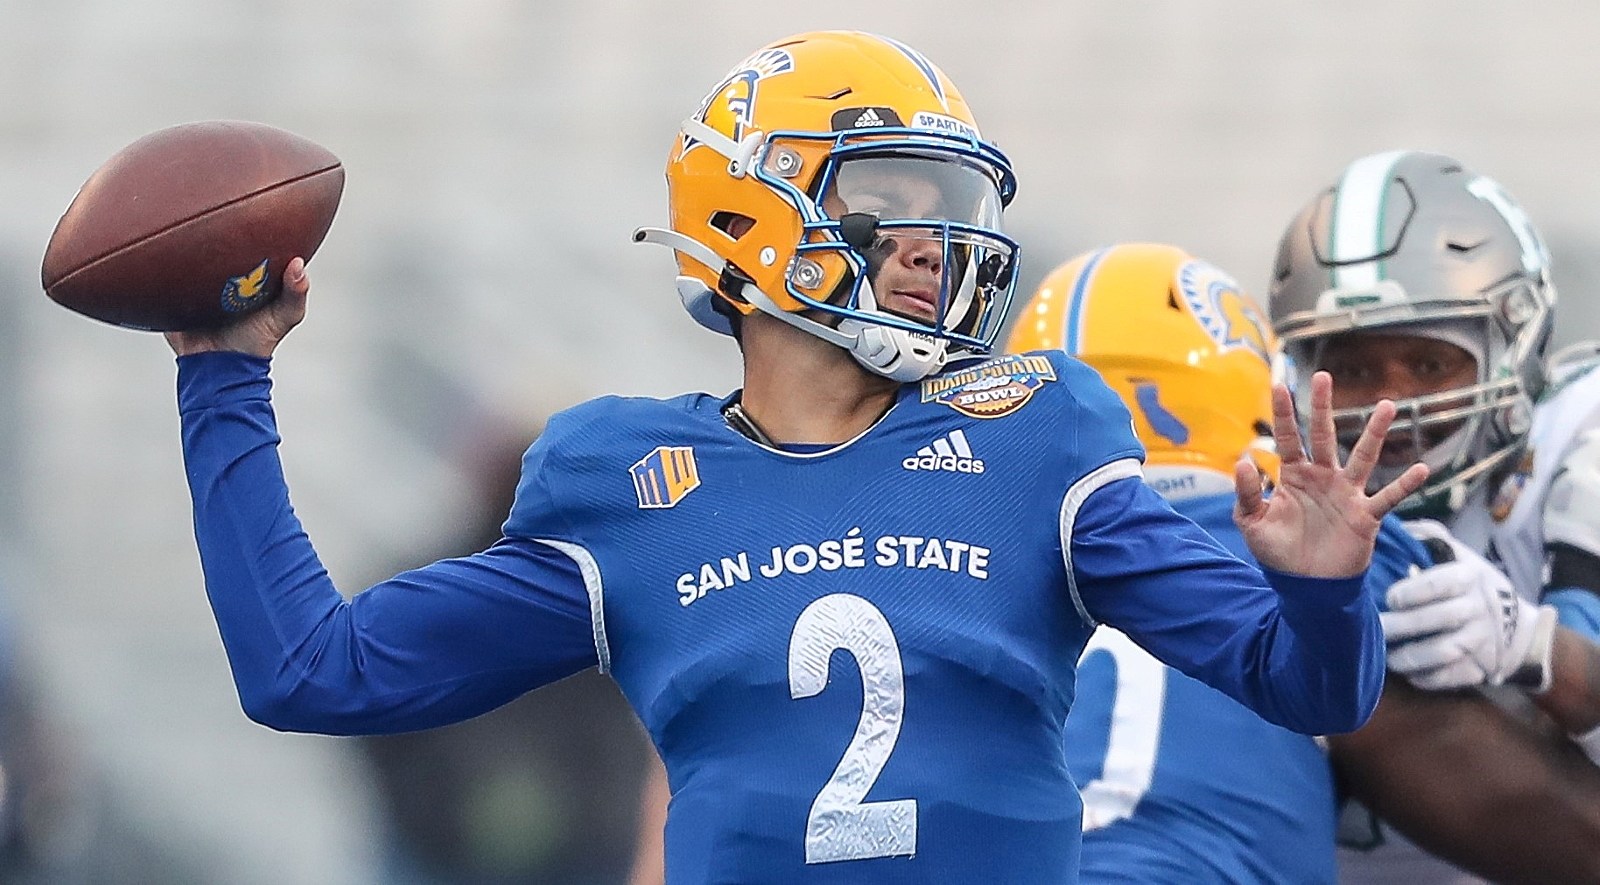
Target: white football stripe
<point>1358,219</point>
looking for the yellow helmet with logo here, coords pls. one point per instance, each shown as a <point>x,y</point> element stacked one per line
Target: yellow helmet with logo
<point>801,169</point>
<point>1190,353</point>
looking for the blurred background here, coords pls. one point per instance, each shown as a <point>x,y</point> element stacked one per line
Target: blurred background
<point>480,276</point>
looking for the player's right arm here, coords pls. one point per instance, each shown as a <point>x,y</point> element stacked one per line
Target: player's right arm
<point>428,647</point>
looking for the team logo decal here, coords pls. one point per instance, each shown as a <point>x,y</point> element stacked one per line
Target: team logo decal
<point>243,292</point>
<point>993,389</point>
<point>1147,396</point>
<point>950,453</point>
<point>662,478</point>
<point>1535,256</point>
<point>1511,488</point>
<point>1222,309</point>
<point>730,108</point>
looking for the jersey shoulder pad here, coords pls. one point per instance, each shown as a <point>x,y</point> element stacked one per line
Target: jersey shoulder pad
<point>1569,365</point>
<point>593,439</point>
<point>1092,420</point>
<point>1572,504</point>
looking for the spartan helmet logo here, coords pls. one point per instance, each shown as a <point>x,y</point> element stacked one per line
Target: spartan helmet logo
<point>730,108</point>
<point>1227,316</point>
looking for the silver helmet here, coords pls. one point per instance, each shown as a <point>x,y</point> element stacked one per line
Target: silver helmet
<point>1411,243</point>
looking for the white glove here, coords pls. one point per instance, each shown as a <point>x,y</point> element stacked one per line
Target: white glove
<point>1589,743</point>
<point>1461,624</point>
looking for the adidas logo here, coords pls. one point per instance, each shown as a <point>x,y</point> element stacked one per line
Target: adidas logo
<point>949,452</point>
<point>869,117</point>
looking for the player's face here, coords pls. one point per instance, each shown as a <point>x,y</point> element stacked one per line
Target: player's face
<point>1368,367</point>
<point>905,264</point>
<point>906,270</point>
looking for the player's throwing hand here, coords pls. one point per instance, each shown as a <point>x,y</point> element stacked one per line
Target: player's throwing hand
<point>257,333</point>
<point>1319,521</point>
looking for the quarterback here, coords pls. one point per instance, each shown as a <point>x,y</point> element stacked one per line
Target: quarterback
<point>853,649</point>
<point>1416,279</point>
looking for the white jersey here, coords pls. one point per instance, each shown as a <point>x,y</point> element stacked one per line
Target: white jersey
<point>1509,527</point>
<point>1515,540</point>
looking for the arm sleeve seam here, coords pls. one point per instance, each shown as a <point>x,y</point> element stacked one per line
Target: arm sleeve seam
<point>1122,468</point>
<point>595,587</point>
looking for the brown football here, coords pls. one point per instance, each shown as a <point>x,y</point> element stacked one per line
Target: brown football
<point>190,227</point>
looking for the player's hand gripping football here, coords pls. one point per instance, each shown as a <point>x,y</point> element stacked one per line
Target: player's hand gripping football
<point>1319,520</point>
<point>259,331</point>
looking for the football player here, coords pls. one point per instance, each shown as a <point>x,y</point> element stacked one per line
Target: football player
<point>1183,785</point>
<point>847,600</point>
<point>1417,280</point>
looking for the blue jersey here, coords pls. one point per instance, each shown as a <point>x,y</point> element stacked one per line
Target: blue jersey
<point>855,664</point>
<point>1182,785</point>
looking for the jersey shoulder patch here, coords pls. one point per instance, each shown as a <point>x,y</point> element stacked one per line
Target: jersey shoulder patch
<point>603,438</point>
<point>994,388</point>
<point>1057,406</point>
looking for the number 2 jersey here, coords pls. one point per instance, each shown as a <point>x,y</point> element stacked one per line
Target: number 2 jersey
<point>856,664</point>
<point>1182,785</point>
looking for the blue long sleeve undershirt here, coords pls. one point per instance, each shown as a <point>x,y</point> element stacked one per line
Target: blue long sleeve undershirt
<point>1303,653</point>
<point>459,637</point>
<point>428,647</point>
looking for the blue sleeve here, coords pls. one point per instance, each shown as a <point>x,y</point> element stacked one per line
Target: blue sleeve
<point>1577,609</point>
<point>1091,424</point>
<point>1303,653</point>
<point>431,646</point>
<point>1395,555</point>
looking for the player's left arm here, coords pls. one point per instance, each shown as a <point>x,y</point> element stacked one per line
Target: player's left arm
<point>1301,647</point>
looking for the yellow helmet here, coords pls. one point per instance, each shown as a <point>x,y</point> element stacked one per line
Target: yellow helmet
<point>1191,354</point>
<point>787,189</point>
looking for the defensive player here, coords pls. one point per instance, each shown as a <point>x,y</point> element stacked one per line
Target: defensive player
<point>868,491</point>
<point>1182,785</point>
<point>1417,280</point>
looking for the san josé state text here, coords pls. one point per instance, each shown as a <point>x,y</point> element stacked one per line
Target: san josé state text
<point>849,552</point>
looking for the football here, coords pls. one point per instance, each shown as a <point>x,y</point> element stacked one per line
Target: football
<point>190,227</point>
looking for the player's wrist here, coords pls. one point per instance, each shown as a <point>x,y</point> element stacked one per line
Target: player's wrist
<point>1531,666</point>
